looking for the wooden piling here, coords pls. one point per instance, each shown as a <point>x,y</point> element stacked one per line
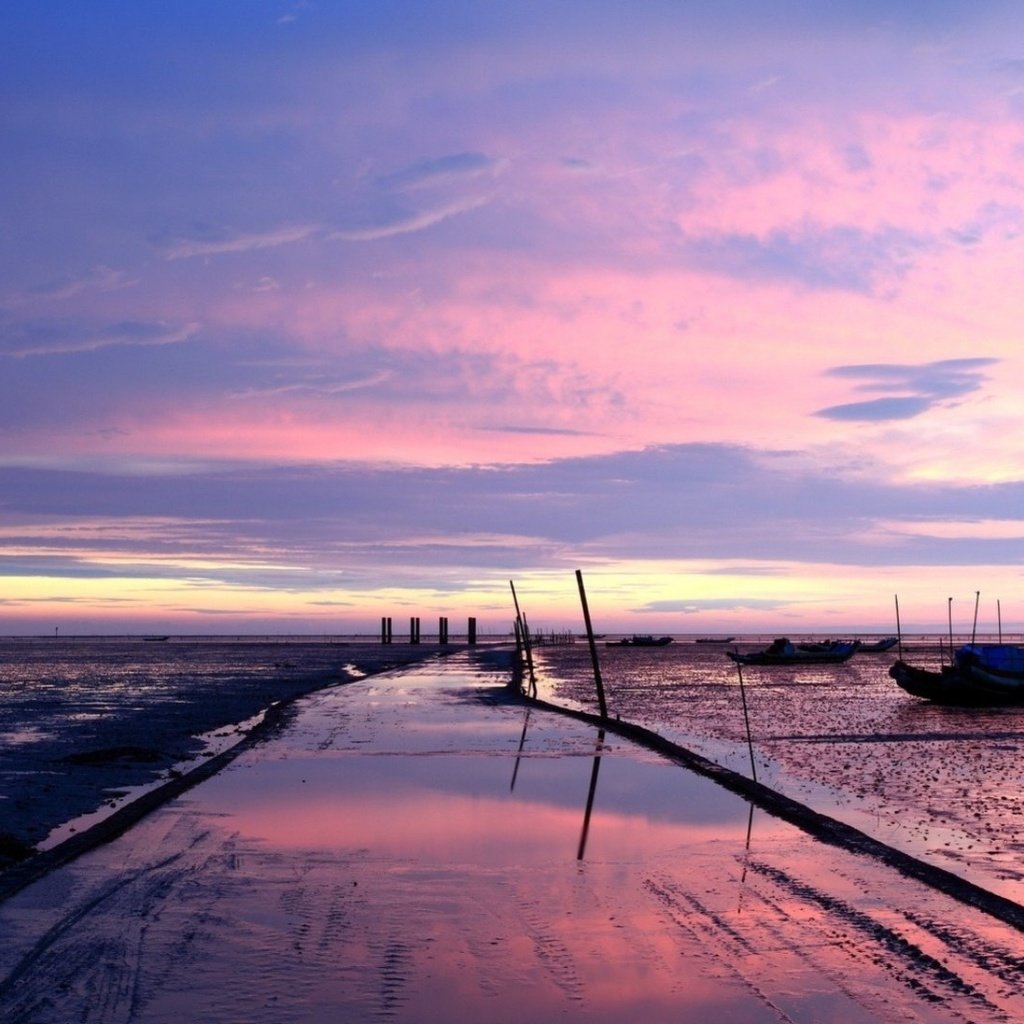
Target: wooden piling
<point>598,682</point>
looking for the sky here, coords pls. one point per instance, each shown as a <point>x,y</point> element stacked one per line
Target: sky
<point>317,312</point>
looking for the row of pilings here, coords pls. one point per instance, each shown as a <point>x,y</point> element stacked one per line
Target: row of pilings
<point>387,632</point>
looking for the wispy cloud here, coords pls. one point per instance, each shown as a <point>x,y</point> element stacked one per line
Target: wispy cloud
<point>831,257</point>
<point>99,279</point>
<point>318,386</point>
<point>454,167</point>
<point>186,248</point>
<point>693,606</point>
<point>917,388</point>
<point>66,339</point>
<point>410,222</point>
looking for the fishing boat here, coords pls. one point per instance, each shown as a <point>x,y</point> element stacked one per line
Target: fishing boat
<point>714,640</point>
<point>822,645</point>
<point>981,675</point>
<point>641,640</point>
<point>879,646</point>
<point>998,667</point>
<point>947,686</point>
<point>783,652</point>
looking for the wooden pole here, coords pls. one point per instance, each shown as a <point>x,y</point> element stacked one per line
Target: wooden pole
<point>593,647</point>
<point>746,722</point>
<point>949,615</point>
<point>974,628</point>
<point>524,632</point>
<point>899,632</point>
<point>999,617</point>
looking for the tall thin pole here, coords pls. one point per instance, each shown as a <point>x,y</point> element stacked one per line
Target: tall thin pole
<point>593,647</point>
<point>949,615</point>
<point>999,616</point>
<point>746,722</point>
<point>899,632</point>
<point>524,633</point>
<point>974,628</point>
<point>515,600</point>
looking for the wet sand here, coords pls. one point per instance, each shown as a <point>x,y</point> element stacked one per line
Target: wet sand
<point>69,758</point>
<point>416,846</point>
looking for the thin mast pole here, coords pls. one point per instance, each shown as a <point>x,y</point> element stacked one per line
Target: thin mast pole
<point>899,632</point>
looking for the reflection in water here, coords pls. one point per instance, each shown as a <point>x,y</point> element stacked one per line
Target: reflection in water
<point>746,857</point>
<point>590,795</point>
<point>519,752</point>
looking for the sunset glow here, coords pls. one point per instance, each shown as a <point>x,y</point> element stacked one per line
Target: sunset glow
<point>314,313</point>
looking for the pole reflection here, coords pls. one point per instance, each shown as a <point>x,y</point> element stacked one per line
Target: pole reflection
<point>581,850</point>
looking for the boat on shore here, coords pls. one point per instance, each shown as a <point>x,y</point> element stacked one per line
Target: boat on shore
<point>714,639</point>
<point>641,640</point>
<point>981,675</point>
<point>946,686</point>
<point>783,652</point>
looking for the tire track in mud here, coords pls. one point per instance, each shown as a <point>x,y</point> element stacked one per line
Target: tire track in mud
<point>725,948</point>
<point>103,960</point>
<point>920,971</point>
<point>552,953</point>
<point>984,954</point>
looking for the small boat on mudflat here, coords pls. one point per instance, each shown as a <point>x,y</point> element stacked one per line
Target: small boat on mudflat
<point>783,652</point>
<point>950,686</point>
<point>641,640</point>
<point>879,646</point>
<point>982,675</point>
<point>714,640</point>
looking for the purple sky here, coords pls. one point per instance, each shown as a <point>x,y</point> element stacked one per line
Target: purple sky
<point>316,312</point>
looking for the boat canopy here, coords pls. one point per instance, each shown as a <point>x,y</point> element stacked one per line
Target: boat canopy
<point>1001,657</point>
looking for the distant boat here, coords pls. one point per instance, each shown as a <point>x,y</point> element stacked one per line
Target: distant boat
<point>155,639</point>
<point>714,640</point>
<point>783,652</point>
<point>823,645</point>
<point>885,644</point>
<point>641,640</point>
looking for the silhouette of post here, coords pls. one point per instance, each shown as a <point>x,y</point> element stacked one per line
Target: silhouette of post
<point>598,682</point>
<point>471,631</point>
